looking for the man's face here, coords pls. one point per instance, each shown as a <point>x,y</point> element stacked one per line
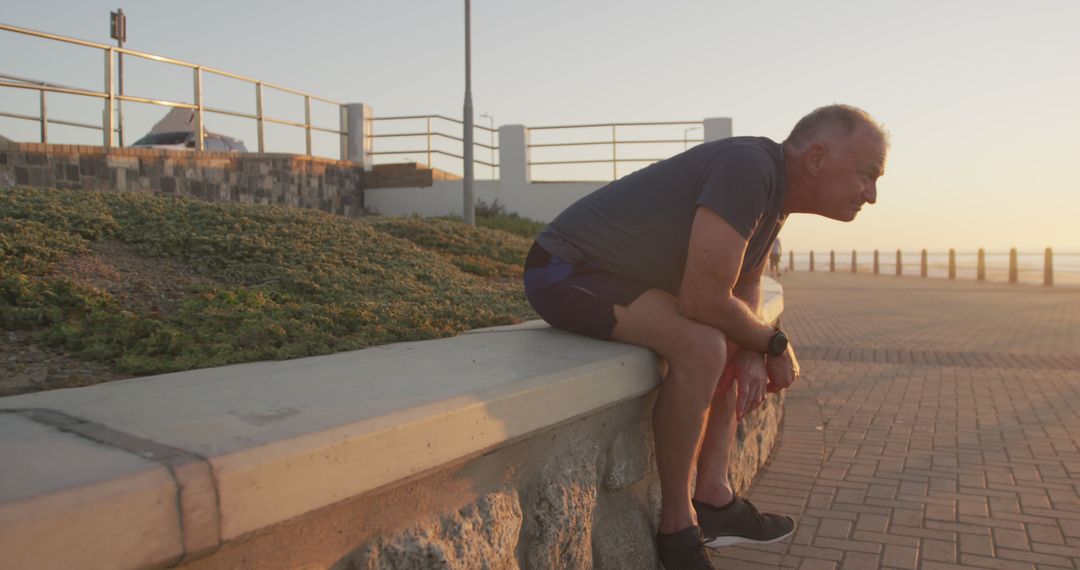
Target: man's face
<point>848,171</point>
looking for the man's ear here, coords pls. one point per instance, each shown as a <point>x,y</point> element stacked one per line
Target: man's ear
<point>815,157</point>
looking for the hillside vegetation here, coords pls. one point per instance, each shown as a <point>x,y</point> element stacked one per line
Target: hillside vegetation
<point>150,284</point>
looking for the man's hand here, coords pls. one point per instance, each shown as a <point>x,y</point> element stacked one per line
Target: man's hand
<point>783,370</point>
<point>751,379</point>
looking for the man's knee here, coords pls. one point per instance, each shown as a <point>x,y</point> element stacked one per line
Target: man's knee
<point>701,359</point>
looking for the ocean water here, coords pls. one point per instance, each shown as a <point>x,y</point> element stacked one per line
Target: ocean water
<point>1066,265</point>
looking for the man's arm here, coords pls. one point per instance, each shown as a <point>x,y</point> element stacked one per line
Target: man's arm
<point>748,288</point>
<point>711,288</point>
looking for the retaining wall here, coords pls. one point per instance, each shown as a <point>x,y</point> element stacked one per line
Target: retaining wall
<point>513,447</point>
<point>282,179</point>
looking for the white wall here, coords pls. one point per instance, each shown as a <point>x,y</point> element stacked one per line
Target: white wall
<point>540,201</point>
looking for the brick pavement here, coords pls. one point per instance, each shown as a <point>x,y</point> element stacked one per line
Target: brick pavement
<point>935,427</point>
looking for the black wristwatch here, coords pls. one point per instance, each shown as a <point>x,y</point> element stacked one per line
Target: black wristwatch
<point>777,344</point>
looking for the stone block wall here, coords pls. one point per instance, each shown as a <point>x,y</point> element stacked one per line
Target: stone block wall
<point>316,183</point>
<point>579,496</point>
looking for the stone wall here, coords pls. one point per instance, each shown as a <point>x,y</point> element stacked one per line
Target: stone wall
<point>579,496</point>
<point>282,179</point>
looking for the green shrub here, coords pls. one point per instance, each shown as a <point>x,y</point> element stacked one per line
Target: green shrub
<point>284,283</point>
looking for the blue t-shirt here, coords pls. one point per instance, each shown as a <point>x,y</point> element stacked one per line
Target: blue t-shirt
<point>639,226</point>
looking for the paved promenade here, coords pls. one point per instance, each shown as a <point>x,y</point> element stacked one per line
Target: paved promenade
<point>936,427</point>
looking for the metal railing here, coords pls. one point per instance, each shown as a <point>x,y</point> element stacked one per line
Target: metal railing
<point>1012,266</point>
<point>109,127</point>
<point>612,142</point>
<point>427,135</point>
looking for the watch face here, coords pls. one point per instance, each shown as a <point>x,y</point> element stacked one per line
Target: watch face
<point>778,344</point>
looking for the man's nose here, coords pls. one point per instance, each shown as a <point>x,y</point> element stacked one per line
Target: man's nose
<point>870,194</point>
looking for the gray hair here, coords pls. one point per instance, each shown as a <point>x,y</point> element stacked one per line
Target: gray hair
<point>829,122</point>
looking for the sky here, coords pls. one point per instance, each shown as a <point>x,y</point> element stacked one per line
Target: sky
<point>981,98</point>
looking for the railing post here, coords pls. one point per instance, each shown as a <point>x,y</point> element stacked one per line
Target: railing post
<point>980,268</point>
<point>307,123</point>
<point>260,125</point>
<point>1048,268</point>
<point>899,263</point>
<point>717,128</point>
<point>1014,269</point>
<point>811,261</point>
<point>614,156</point>
<point>832,261</point>
<point>877,266</point>
<point>44,117</point>
<point>513,157</point>
<point>360,143</point>
<point>854,262</point>
<point>952,263</point>
<point>343,130</point>
<point>199,143</point>
<point>924,265</point>
<point>429,142</point>
<point>791,261</point>
<point>107,123</point>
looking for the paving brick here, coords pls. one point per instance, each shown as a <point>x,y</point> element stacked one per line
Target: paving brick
<point>861,561</point>
<point>941,512</point>
<point>848,545</point>
<point>938,550</point>
<point>816,564</point>
<point>973,506</point>
<point>975,544</point>
<point>1045,533</point>
<point>1015,539</point>
<point>834,528</point>
<point>900,556</point>
<point>872,522</point>
<point>816,552</point>
<point>907,517</point>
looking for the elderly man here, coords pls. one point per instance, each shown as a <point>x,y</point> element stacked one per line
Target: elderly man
<point>671,258</point>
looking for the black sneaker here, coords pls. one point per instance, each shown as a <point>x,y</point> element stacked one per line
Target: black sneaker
<point>683,550</point>
<point>740,522</point>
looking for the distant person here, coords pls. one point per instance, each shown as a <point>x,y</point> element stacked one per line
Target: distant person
<point>671,258</point>
<point>774,258</point>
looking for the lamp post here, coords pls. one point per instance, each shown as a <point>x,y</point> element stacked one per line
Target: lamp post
<point>469,206</point>
<point>118,31</point>
<point>491,140</point>
<point>685,139</point>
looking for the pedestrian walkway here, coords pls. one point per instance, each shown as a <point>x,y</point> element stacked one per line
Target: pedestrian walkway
<point>935,427</point>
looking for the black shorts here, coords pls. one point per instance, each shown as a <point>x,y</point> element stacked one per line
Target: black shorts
<point>576,297</point>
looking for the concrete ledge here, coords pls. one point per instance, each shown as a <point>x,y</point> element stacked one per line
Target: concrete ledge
<point>153,471</point>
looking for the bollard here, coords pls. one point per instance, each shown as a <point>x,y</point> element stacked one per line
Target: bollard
<point>952,263</point>
<point>832,261</point>
<point>791,261</point>
<point>899,264</point>
<point>980,271</point>
<point>924,265</point>
<point>854,262</point>
<point>811,261</point>
<point>877,266</point>
<point>1014,269</point>
<point>1048,268</point>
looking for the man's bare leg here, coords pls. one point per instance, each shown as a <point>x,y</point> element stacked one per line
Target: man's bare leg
<point>696,354</point>
<point>713,486</point>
